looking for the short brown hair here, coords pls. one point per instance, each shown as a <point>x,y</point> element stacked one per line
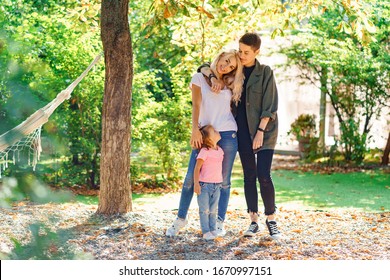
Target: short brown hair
<point>251,39</point>
<point>205,131</point>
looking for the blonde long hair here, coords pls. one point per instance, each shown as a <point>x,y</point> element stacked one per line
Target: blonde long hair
<point>237,74</point>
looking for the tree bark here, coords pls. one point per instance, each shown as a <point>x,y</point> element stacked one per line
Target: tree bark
<point>115,188</point>
<point>385,158</point>
<point>324,81</point>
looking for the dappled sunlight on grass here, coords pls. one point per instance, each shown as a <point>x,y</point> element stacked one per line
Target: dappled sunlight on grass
<point>87,199</point>
<point>361,190</point>
<point>368,190</point>
<point>137,198</point>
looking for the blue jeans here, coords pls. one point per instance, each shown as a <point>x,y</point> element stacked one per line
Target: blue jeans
<point>207,202</point>
<point>229,145</point>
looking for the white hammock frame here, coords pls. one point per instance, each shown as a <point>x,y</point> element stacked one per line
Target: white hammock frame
<point>35,122</point>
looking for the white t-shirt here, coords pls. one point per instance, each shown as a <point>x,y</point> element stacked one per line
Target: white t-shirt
<point>215,107</point>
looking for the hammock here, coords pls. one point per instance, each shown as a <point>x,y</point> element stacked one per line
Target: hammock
<point>28,133</point>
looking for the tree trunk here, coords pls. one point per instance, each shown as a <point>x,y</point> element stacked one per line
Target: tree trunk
<point>324,80</point>
<point>385,158</point>
<point>115,189</point>
<point>92,173</point>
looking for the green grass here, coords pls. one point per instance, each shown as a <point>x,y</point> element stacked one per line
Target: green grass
<point>367,191</point>
<point>137,198</point>
<point>86,199</point>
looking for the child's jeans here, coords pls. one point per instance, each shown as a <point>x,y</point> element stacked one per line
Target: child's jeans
<point>208,203</point>
<point>229,145</point>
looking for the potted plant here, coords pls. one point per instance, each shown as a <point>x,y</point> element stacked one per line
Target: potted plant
<point>303,129</point>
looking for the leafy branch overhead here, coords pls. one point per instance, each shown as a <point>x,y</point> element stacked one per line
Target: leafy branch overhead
<point>44,45</point>
<point>355,17</point>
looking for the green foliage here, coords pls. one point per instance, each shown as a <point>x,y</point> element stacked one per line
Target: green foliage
<point>45,244</point>
<point>304,126</point>
<point>159,128</point>
<point>20,185</point>
<point>46,44</point>
<point>354,144</point>
<point>43,53</point>
<point>204,29</point>
<point>303,129</point>
<point>353,17</point>
<point>357,74</point>
<point>168,48</point>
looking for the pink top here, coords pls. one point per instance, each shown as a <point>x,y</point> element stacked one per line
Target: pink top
<point>211,171</point>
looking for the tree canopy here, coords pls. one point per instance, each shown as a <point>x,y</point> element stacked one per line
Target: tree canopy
<point>45,44</point>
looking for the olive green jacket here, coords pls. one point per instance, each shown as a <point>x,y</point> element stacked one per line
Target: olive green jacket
<point>262,101</point>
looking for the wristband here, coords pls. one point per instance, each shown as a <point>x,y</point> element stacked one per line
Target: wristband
<point>212,76</point>
<point>260,129</point>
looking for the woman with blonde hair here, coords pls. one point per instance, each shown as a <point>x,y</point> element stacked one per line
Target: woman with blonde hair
<point>211,108</point>
<point>219,67</point>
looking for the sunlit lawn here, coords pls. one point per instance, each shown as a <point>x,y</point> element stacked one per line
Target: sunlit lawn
<point>367,191</point>
<point>137,198</point>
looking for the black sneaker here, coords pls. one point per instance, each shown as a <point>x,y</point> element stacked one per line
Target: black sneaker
<point>252,230</point>
<point>273,229</point>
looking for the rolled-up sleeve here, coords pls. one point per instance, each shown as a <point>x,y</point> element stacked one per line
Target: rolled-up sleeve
<point>270,97</point>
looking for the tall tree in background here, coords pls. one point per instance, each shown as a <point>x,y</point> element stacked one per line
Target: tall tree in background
<point>354,76</point>
<point>115,189</point>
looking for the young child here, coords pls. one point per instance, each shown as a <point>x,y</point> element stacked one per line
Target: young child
<point>208,180</point>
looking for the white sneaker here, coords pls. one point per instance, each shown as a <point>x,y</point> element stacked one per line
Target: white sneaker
<point>220,231</point>
<point>177,225</point>
<point>208,236</point>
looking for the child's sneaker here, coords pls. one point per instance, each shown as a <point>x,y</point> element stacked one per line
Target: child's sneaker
<point>177,225</point>
<point>220,231</point>
<point>208,236</point>
<point>252,230</point>
<point>273,229</point>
